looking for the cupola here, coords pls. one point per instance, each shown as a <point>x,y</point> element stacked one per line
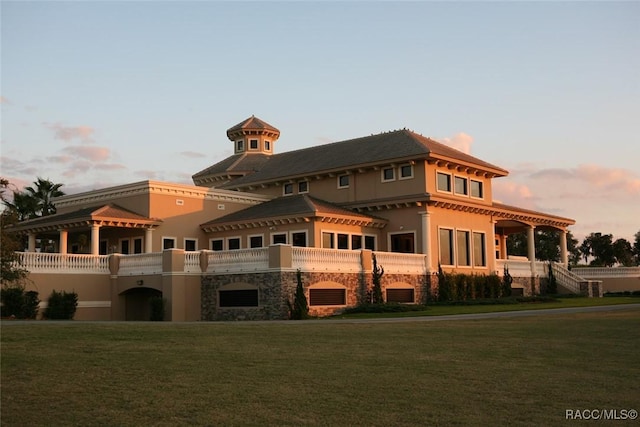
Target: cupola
<point>253,136</point>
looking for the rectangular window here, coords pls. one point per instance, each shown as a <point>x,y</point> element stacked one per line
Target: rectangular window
<point>303,187</point>
<point>461,185</point>
<point>253,144</point>
<point>255,241</point>
<point>217,244</point>
<point>356,242</point>
<point>446,246</point>
<point>463,248</point>
<point>299,239</point>
<point>239,298</point>
<point>327,240</point>
<point>400,295</point>
<point>327,296</point>
<point>444,182</point>
<point>388,174</point>
<point>343,241</point>
<point>370,242</point>
<point>280,238</point>
<point>406,171</point>
<point>287,189</point>
<point>267,145</point>
<point>239,145</point>
<point>103,247</point>
<point>233,243</point>
<point>137,245</point>
<point>479,253</point>
<point>124,247</point>
<point>168,242</point>
<point>476,189</point>
<point>190,245</point>
<point>343,181</point>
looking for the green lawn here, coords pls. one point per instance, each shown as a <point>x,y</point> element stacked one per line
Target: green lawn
<point>516,371</point>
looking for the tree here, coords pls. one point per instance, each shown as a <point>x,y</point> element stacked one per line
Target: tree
<point>11,273</point>
<point>636,248</point>
<point>43,193</point>
<point>600,247</point>
<point>623,252</point>
<point>299,309</point>
<point>547,243</point>
<point>377,272</point>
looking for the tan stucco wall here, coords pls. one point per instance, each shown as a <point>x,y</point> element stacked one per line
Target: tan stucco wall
<point>619,284</point>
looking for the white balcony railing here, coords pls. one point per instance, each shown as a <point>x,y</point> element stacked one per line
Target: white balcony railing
<point>192,262</point>
<point>606,272</point>
<point>330,260</point>
<point>135,264</point>
<point>400,263</point>
<point>241,260</point>
<point>42,262</point>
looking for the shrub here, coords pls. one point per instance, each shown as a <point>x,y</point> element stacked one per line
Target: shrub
<point>376,275</point>
<point>157,306</point>
<point>299,309</point>
<point>552,283</point>
<point>61,305</point>
<point>18,303</point>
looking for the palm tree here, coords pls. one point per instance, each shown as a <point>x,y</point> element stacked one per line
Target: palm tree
<point>43,194</point>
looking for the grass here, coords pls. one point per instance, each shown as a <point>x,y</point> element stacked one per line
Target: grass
<point>517,371</point>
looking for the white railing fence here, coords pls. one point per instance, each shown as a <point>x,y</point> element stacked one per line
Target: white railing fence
<point>241,260</point>
<point>41,262</point>
<point>606,272</point>
<point>192,262</point>
<point>318,259</point>
<point>566,278</point>
<point>140,264</point>
<point>400,263</point>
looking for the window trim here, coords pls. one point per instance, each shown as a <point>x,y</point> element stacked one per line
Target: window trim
<point>452,252</point>
<point>346,175</point>
<point>438,173</point>
<point>400,177</point>
<point>216,240</point>
<point>466,185</point>
<point>279,233</point>
<point>328,286</point>
<point>120,242</point>
<point>484,249</point>
<point>284,189</point>
<point>468,249</point>
<point>303,191</point>
<point>251,141</point>
<point>227,240</point>
<point>481,197</point>
<point>393,172</point>
<point>306,237</point>
<point>267,145</point>
<point>250,236</point>
<point>240,146</point>
<point>394,233</point>
<point>175,242</point>
<point>184,243</point>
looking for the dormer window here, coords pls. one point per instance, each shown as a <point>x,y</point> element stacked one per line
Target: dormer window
<point>239,146</point>
<point>253,144</point>
<point>267,145</point>
<point>287,189</point>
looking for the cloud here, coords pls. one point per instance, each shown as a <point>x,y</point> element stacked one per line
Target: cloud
<point>95,154</point>
<point>594,176</point>
<point>4,100</point>
<point>18,167</point>
<point>59,159</point>
<point>147,174</point>
<point>69,133</point>
<point>513,193</point>
<point>460,141</point>
<point>109,166</point>
<point>192,154</point>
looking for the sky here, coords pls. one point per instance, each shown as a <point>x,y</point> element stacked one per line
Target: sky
<point>95,94</point>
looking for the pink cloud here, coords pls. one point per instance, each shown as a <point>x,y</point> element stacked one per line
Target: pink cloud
<point>594,176</point>
<point>59,159</point>
<point>4,100</point>
<point>513,193</point>
<point>460,141</point>
<point>95,154</point>
<point>69,133</point>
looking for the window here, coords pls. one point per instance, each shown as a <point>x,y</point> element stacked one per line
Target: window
<point>168,242</point>
<point>370,242</point>
<point>444,182</point>
<point>446,246</point>
<point>137,245</point>
<point>253,144</point>
<point>479,253</point>
<point>233,243</point>
<point>238,298</point>
<point>476,189</point>
<point>337,296</point>
<point>461,185</point>
<point>124,247</point>
<point>255,241</point>
<point>239,145</point>
<point>287,189</point>
<point>400,295</point>
<point>190,244</point>
<point>280,238</point>
<point>327,240</point>
<point>464,248</point>
<point>303,187</point>
<point>103,247</point>
<point>299,239</point>
<point>267,145</point>
<point>406,171</point>
<point>356,242</point>
<point>343,241</point>
<point>388,174</point>
<point>403,242</point>
<point>217,244</point>
<point>343,181</point>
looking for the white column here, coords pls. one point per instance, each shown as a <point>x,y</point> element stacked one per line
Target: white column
<point>148,241</point>
<point>31,246</point>
<point>564,258</point>
<point>492,246</point>
<point>426,237</point>
<point>531,245</point>
<point>503,246</point>
<point>95,239</point>
<point>63,241</point>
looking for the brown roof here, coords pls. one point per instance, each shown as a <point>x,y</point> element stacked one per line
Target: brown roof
<point>252,123</point>
<point>370,150</point>
<point>238,164</point>
<point>301,205</point>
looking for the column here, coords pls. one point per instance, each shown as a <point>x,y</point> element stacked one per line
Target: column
<point>31,246</point>
<point>95,239</point>
<point>148,240</point>
<point>503,246</point>
<point>531,245</point>
<point>63,241</point>
<point>492,246</point>
<point>426,237</point>
<point>564,258</point>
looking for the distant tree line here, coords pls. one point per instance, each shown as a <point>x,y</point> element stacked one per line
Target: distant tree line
<point>596,250</point>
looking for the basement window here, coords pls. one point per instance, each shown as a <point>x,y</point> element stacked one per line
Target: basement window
<point>332,296</point>
<point>238,298</point>
<point>400,295</point>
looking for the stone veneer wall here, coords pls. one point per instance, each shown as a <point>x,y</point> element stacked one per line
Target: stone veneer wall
<point>277,287</point>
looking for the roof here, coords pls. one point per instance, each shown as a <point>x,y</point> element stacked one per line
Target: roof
<point>252,123</point>
<point>238,164</point>
<point>370,150</point>
<point>296,206</point>
<point>110,214</point>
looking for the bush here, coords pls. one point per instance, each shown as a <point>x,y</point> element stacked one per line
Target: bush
<point>61,305</point>
<point>157,305</point>
<point>299,309</point>
<point>389,307</point>
<point>18,303</point>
